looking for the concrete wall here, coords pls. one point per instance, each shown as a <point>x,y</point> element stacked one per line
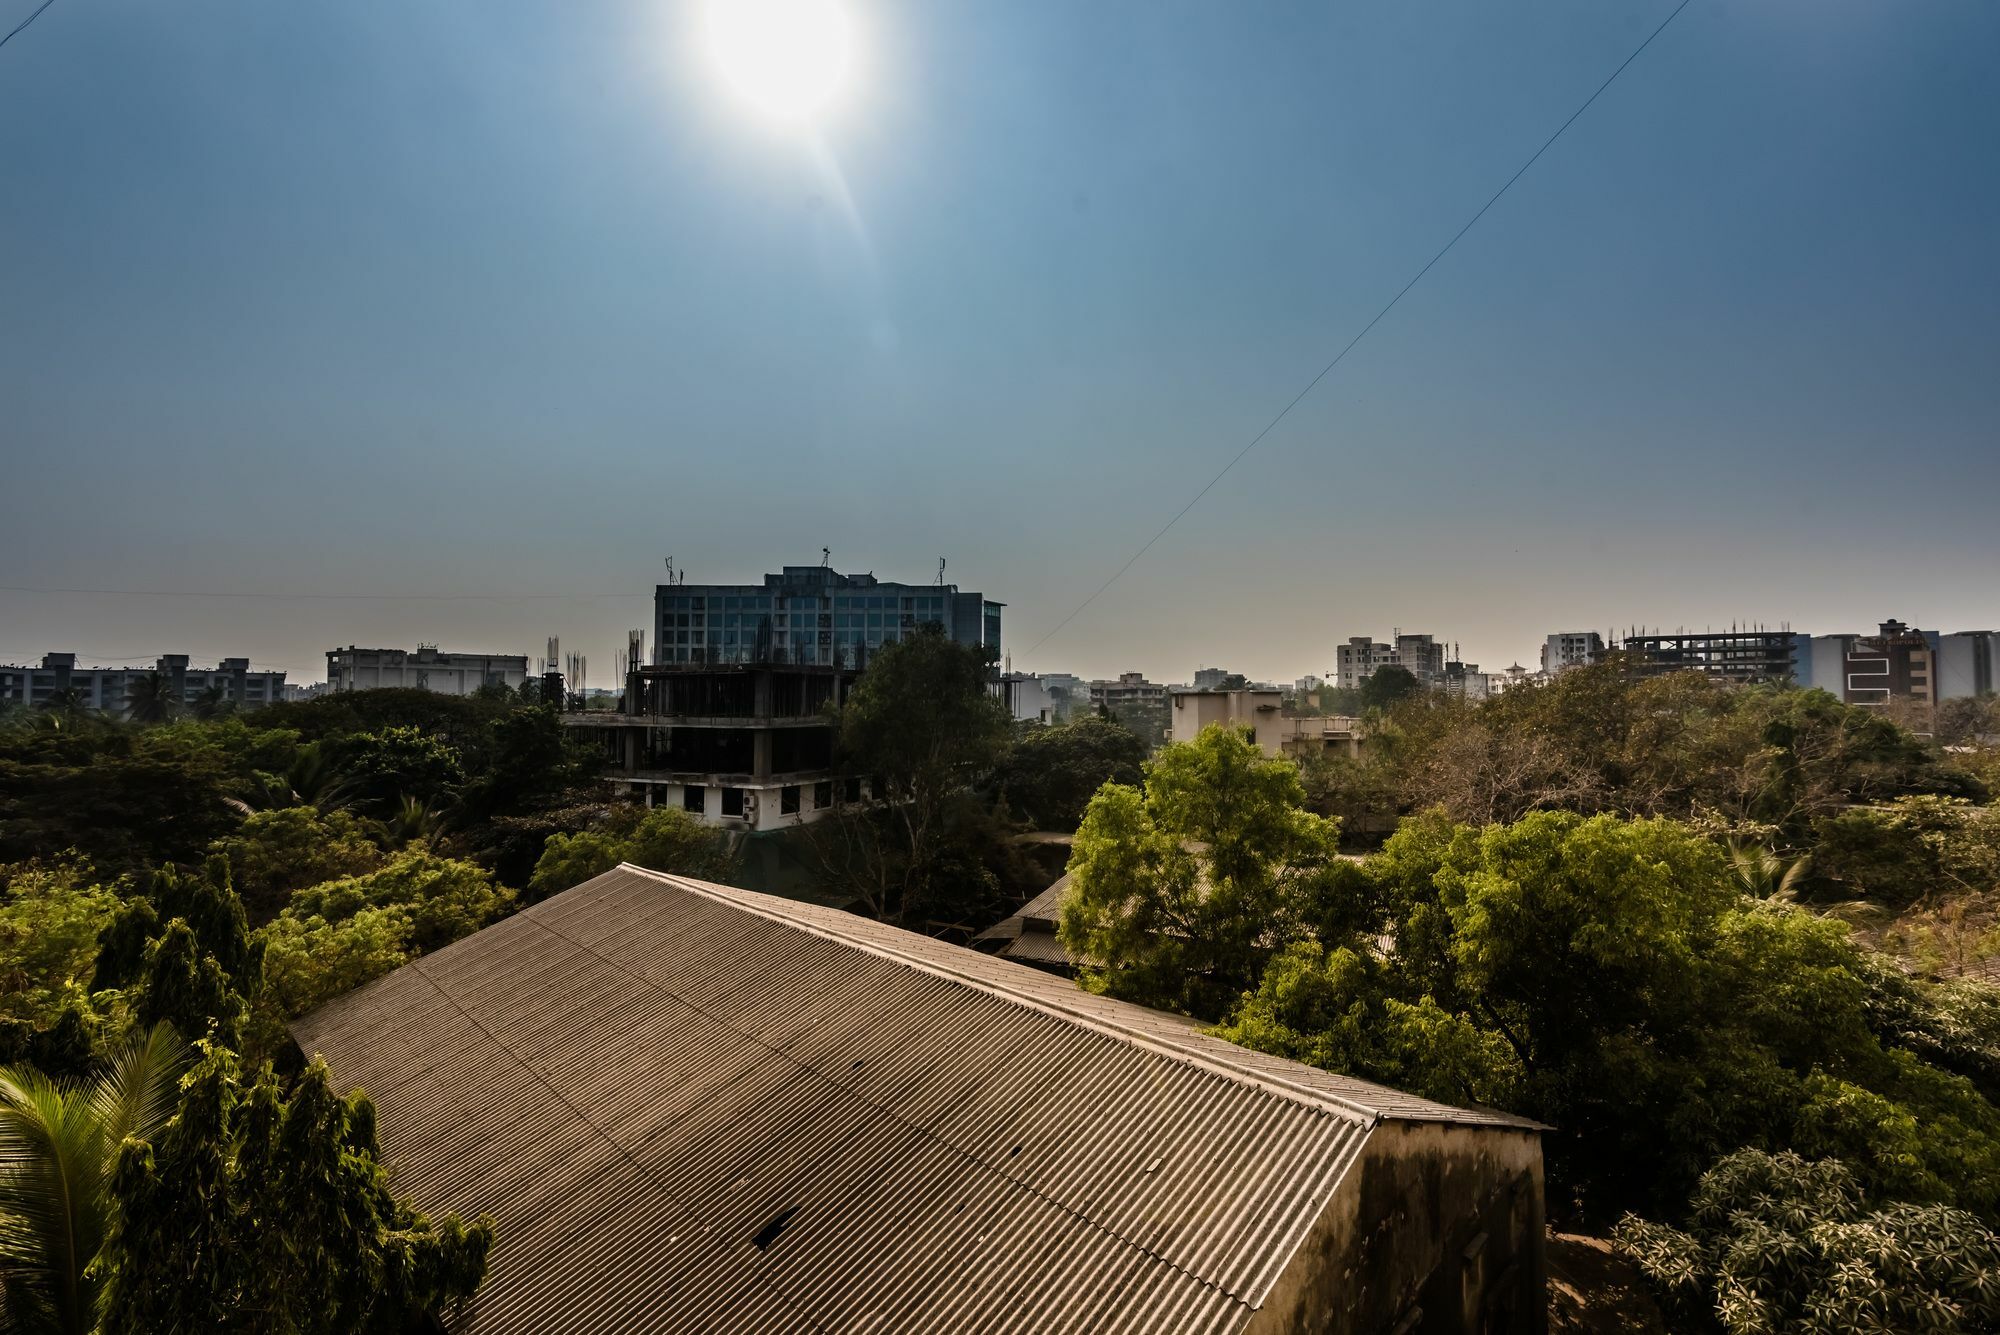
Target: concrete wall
<point>1436,1229</point>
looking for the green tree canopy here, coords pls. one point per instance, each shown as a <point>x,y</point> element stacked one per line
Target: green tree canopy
<point>1777,1243</point>
<point>922,724</point>
<point>1182,891</point>
<point>1386,685</point>
<point>1048,775</point>
<point>274,853</point>
<point>256,1208</point>
<point>661,839</point>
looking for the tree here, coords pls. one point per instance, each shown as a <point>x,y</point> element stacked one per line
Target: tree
<point>444,898</point>
<point>662,839</point>
<point>1779,1243</point>
<point>151,698</point>
<point>381,769</point>
<point>58,1144</point>
<point>277,852</point>
<point>213,702</point>
<point>1048,775</point>
<point>254,1208</point>
<point>923,724</point>
<point>1181,892</point>
<point>1649,1010</point>
<point>1386,685</point>
<point>50,917</point>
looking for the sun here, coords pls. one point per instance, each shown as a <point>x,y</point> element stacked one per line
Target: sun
<point>789,59</point>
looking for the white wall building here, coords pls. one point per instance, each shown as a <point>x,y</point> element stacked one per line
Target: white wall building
<point>1571,648</point>
<point>425,668</point>
<point>1968,663</point>
<point>108,688</point>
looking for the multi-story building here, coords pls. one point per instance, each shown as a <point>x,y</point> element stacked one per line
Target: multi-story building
<point>1737,654</point>
<point>1259,711</point>
<point>733,720</point>
<point>1894,664</point>
<point>1421,655</point>
<point>1465,681</point>
<point>1968,663</point>
<point>1571,648</point>
<point>812,616</point>
<point>1130,689</point>
<point>1026,695</point>
<point>109,688</point>
<point>1212,679</point>
<point>426,668</point>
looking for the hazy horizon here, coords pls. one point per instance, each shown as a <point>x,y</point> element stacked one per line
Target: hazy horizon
<point>504,301</point>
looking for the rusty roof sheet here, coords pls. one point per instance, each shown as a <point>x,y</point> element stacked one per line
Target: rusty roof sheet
<point>694,1108</point>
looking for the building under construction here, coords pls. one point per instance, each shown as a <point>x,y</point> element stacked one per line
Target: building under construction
<point>1740,653</point>
<point>742,746</point>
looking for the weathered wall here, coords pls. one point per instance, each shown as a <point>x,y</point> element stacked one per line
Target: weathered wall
<point>1435,1230</point>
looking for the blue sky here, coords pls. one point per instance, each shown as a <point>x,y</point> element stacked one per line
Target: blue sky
<point>511,299</point>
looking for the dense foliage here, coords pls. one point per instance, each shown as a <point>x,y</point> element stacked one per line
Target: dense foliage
<point>662,839</point>
<point>1049,774</point>
<point>1782,1245</point>
<point>1606,975</point>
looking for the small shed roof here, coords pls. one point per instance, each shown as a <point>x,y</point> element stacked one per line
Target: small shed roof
<point>695,1108</point>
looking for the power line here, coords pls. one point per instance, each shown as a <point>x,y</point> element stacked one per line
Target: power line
<point>319,597</point>
<point>1351,343</point>
<point>26,21</point>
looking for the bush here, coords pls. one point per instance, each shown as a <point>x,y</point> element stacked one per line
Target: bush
<point>277,852</point>
<point>663,839</point>
<point>1776,1243</point>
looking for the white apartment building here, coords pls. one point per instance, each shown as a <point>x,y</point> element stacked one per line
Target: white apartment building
<point>109,688</point>
<point>1571,648</point>
<point>1260,711</point>
<point>1421,655</point>
<point>425,668</point>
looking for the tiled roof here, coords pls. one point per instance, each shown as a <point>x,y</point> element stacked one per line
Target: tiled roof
<point>694,1108</point>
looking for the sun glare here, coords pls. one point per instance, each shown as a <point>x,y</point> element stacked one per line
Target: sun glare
<point>790,59</point>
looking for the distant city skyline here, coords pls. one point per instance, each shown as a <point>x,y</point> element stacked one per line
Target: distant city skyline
<point>507,300</point>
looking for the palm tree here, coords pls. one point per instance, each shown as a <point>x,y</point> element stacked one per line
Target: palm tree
<point>213,702</point>
<point>151,698</point>
<point>1765,875</point>
<point>58,1144</point>
<point>413,820</point>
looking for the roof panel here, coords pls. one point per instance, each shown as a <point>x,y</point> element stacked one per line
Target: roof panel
<point>694,1108</point>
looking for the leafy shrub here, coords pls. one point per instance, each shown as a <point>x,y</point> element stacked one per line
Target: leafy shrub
<point>1777,1244</point>
<point>663,839</point>
<point>277,852</point>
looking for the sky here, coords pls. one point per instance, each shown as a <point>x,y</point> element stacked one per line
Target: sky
<point>379,322</point>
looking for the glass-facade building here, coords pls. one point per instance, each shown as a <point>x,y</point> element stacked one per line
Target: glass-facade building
<point>810,616</point>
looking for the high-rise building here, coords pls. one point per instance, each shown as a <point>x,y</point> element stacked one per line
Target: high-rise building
<point>109,688</point>
<point>811,616</point>
<point>1357,660</point>
<point>1571,648</point>
<point>732,722</point>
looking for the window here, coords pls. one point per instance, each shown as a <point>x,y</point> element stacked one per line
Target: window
<point>854,790</point>
<point>788,800</point>
<point>732,801</point>
<point>694,798</point>
<point>822,796</point>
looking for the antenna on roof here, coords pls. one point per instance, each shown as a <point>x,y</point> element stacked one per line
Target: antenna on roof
<point>826,556</point>
<point>670,570</point>
<point>940,572</point>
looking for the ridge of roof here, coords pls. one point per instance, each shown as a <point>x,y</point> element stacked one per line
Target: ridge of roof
<point>1187,1043</point>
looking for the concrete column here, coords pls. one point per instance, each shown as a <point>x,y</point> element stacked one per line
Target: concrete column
<point>760,744</point>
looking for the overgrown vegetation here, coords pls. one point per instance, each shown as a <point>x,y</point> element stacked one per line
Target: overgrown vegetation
<point>1607,908</point>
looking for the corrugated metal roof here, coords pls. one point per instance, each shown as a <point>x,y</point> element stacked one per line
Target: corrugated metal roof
<point>646,1077</point>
